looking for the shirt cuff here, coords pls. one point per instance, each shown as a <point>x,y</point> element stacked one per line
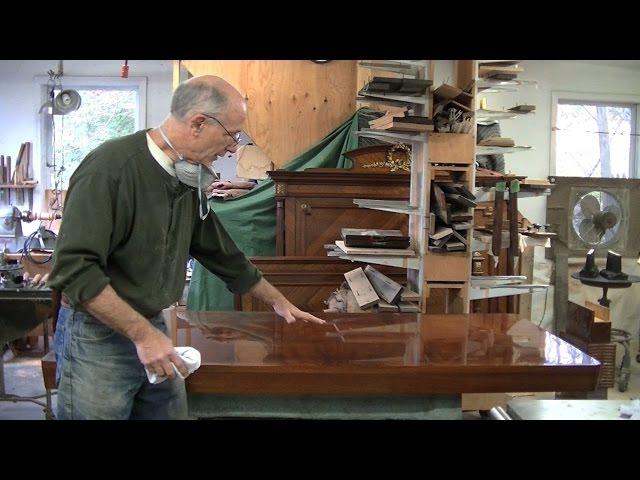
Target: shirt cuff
<point>245,281</point>
<point>86,285</point>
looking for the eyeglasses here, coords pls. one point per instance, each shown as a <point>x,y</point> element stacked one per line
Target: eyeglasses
<point>235,136</point>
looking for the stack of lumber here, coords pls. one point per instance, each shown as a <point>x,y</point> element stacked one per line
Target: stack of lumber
<point>372,288</point>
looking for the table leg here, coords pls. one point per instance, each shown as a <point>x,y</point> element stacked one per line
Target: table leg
<point>2,392</point>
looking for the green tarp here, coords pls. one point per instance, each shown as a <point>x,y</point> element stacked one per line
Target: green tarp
<point>251,219</point>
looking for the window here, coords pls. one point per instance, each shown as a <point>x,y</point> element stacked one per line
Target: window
<point>594,136</point>
<point>110,107</point>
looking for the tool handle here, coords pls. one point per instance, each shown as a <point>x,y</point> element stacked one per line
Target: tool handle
<point>513,224</point>
<point>496,243</point>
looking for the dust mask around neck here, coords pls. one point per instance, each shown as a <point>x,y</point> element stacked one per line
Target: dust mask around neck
<point>194,175</point>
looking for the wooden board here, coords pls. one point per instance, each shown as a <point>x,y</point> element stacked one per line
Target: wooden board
<point>497,142</point>
<point>409,295</point>
<point>386,288</point>
<point>447,267</point>
<point>386,307</point>
<point>448,92</point>
<point>457,148</point>
<point>400,252</point>
<point>483,70</point>
<point>365,295</point>
<point>582,324</point>
<point>601,313</point>
<point>408,307</point>
<point>292,104</point>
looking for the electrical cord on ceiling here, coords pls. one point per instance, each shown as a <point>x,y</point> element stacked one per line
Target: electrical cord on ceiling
<point>55,78</point>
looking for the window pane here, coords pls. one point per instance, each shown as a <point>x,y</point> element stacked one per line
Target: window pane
<point>103,114</point>
<point>594,139</point>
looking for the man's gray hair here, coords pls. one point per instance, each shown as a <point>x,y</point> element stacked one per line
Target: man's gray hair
<point>197,97</point>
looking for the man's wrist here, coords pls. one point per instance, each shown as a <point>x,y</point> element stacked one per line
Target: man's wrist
<point>138,330</point>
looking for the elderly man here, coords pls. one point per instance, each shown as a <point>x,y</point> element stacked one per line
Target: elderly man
<point>135,210</point>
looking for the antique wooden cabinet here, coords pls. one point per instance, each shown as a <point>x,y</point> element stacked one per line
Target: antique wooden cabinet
<point>306,281</point>
<point>314,205</point>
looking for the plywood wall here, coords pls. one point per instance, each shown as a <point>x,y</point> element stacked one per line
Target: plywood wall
<point>292,103</point>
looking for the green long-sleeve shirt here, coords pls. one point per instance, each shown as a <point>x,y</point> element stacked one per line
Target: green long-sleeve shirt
<point>129,223</point>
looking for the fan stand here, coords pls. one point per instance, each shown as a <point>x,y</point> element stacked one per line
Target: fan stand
<point>606,284</point>
<point>604,301</point>
<point>617,334</point>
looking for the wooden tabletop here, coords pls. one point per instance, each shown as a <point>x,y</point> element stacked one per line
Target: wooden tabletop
<point>383,353</point>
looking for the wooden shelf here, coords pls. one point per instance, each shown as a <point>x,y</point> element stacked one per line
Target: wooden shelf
<point>383,102</point>
<point>416,63</point>
<point>396,206</point>
<point>383,134</point>
<point>477,293</point>
<point>486,85</point>
<point>17,187</point>
<point>413,263</point>
<point>488,150</point>
<point>449,168</point>
<point>404,67</point>
<point>496,280</point>
<point>483,115</point>
<point>397,98</point>
<point>485,194</point>
<point>431,153</point>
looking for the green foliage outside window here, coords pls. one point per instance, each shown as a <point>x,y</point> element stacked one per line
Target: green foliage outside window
<point>104,114</point>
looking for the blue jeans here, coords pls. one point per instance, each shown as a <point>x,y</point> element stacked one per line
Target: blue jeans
<point>100,376</point>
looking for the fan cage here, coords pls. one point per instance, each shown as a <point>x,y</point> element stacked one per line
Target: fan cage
<point>615,237</point>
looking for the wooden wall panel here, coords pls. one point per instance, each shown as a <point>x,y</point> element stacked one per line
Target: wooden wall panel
<point>292,103</point>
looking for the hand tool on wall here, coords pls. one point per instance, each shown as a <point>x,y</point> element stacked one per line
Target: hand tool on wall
<point>8,178</point>
<point>496,241</point>
<point>514,244</point>
<point>16,177</point>
<point>2,180</point>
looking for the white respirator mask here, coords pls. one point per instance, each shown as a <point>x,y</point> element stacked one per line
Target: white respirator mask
<point>194,175</point>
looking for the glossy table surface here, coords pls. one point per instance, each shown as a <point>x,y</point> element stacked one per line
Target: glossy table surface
<point>383,353</point>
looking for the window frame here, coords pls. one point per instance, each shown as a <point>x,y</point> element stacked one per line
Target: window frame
<point>44,132</point>
<point>591,99</point>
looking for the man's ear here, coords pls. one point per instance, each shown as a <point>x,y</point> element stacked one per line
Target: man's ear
<point>196,122</point>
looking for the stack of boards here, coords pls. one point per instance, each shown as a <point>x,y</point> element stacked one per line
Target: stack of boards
<point>372,288</point>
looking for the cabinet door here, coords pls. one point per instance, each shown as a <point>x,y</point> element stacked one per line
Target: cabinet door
<point>319,221</point>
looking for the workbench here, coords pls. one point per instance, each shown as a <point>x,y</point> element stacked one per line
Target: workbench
<point>527,409</point>
<point>21,310</point>
<point>370,366</point>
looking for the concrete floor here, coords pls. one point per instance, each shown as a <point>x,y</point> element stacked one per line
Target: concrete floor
<point>23,376</point>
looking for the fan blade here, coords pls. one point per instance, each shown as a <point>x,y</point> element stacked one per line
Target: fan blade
<point>588,232</point>
<point>589,205</point>
<point>604,220</point>
<point>615,210</point>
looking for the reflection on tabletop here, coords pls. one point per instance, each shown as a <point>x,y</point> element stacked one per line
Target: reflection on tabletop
<point>389,339</point>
